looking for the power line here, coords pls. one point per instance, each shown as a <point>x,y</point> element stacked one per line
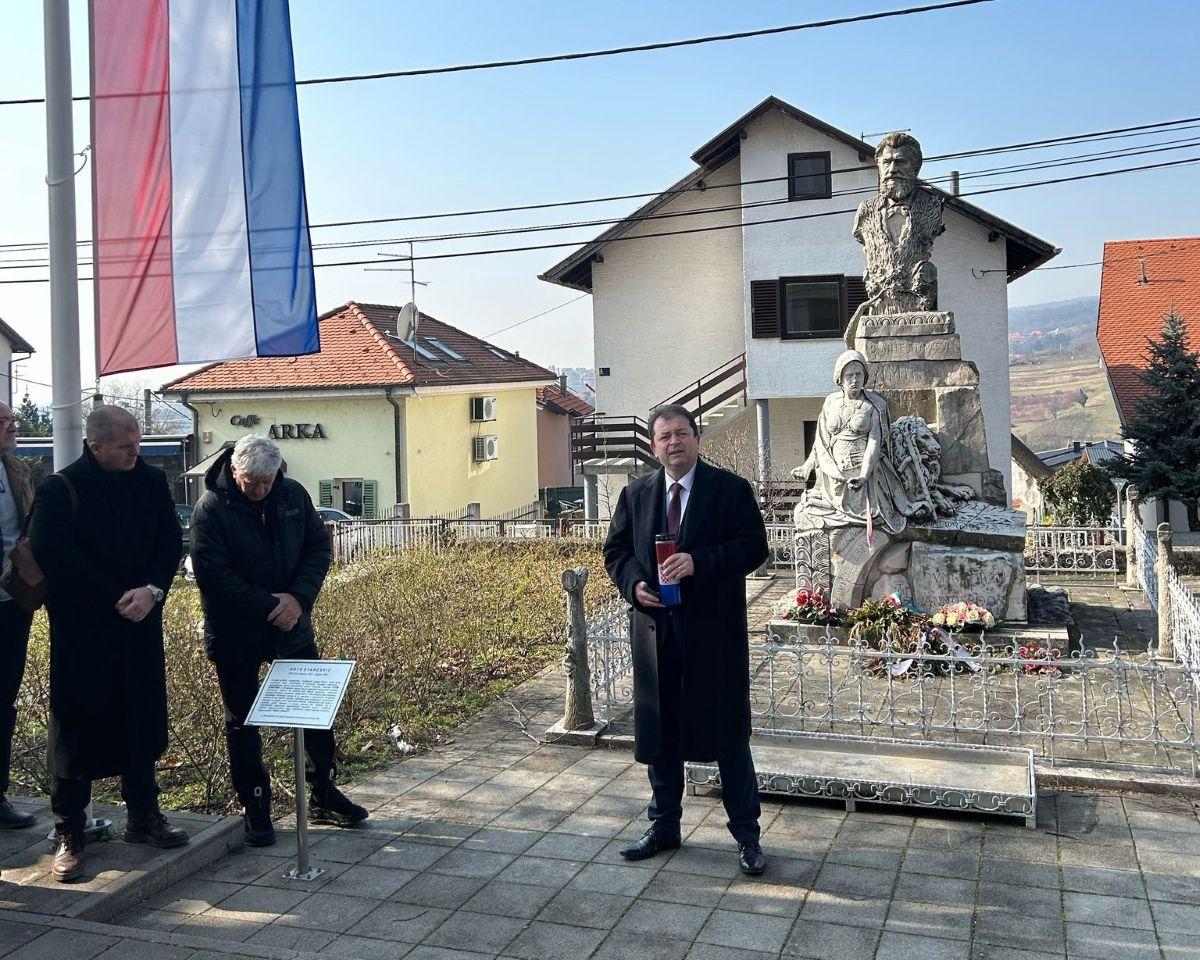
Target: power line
<point>512,326</point>
<point>1117,133</point>
<point>593,54</point>
<point>1111,154</point>
<point>709,229</point>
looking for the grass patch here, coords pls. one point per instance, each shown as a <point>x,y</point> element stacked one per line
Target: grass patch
<point>437,637</point>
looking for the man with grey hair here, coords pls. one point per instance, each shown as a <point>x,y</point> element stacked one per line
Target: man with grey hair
<point>260,554</point>
<point>105,532</point>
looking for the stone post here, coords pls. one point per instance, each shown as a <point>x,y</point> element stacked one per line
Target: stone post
<point>577,714</point>
<point>1166,643</point>
<point>1133,537</point>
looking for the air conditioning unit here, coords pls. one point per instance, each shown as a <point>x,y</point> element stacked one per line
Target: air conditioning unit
<point>485,448</point>
<point>483,408</point>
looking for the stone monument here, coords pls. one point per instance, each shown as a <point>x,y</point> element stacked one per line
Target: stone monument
<point>902,486</point>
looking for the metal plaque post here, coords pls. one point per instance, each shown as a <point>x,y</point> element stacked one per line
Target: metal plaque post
<point>302,870</point>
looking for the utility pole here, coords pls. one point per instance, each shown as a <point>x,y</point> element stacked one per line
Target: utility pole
<point>146,412</point>
<point>66,406</point>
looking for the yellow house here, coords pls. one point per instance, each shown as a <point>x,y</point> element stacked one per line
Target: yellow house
<point>435,423</point>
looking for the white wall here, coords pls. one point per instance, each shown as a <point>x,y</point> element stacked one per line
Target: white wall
<point>6,373</point>
<point>787,431</point>
<point>667,311</point>
<point>811,247</point>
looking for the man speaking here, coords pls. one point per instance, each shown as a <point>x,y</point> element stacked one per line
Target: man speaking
<point>691,683</point>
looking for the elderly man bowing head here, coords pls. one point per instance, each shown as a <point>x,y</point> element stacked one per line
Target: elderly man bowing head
<point>690,660</point>
<point>105,532</point>
<point>260,553</point>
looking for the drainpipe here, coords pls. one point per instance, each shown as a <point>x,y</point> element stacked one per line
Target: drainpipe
<point>191,455</point>
<point>398,441</point>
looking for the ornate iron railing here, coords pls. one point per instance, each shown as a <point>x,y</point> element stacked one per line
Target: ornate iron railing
<point>1147,560</point>
<point>1107,709</point>
<point>353,539</point>
<point>1074,553</point>
<point>1185,621</point>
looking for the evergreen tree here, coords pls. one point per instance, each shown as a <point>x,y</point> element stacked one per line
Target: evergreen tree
<point>35,421</point>
<point>1165,427</point>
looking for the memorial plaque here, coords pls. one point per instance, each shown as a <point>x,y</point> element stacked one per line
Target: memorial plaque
<point>301,693</point>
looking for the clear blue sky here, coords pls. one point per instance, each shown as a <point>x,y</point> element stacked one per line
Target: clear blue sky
<point>1002,72</point>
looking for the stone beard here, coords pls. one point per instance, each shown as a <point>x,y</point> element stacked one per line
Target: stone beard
<point>897,238</point>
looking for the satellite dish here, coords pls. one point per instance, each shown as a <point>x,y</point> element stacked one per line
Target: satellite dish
<point>406,322</point>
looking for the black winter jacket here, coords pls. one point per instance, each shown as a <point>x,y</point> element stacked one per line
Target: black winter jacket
<point>243,552</point>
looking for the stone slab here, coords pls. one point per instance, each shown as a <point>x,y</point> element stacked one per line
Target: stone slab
<point>960,430</point>
<point>918,347</point>
<point>994,579</point>
<point>905,325</point>
<point>922,374</point>
<point>912,773</point>
<point>976,524</point>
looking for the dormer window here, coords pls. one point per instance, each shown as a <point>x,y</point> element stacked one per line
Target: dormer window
<point>809,176</point>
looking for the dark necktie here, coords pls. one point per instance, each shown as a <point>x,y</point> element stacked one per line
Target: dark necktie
<point>673,509</point>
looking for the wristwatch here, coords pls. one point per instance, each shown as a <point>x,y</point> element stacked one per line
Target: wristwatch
<point>155,592</point>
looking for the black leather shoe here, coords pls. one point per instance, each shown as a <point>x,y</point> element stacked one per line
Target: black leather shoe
<point>653,841</point>
<point>331,806</point>
<point>155,830</point>
<point>751,859</point>
<point>12,818</point>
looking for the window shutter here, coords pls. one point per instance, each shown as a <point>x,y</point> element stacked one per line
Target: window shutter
<point>856,293</point>
<point>764,309</point>
<point>370,499</point>
<point>325,493</point>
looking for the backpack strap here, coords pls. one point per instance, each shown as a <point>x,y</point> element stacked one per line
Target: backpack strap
<point>72,495</point>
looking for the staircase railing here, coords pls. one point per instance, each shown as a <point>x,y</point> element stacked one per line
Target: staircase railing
<point>611,438</point>
<point>713,389</point>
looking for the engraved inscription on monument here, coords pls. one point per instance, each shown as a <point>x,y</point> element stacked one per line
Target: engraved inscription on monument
<point>301,693</point>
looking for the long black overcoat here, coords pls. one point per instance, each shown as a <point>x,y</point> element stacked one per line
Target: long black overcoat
<point>108,692</point>
<point>723,531</point>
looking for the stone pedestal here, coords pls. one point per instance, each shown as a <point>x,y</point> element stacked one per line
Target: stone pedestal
<point>916,363</point>
<point>975,556</point>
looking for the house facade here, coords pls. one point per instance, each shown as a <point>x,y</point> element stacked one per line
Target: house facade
<point>431,424</point>
<point>557,409</point>
<point>10,342</point>
<point>1142,281</point>
<point>769,272</point>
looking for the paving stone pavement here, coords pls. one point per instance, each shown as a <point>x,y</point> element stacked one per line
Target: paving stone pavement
<point>498,846</point>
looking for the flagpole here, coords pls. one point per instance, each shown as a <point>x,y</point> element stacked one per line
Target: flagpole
<point>64,273</point>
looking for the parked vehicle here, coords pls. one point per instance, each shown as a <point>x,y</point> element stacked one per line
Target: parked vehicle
<point>332,515</point>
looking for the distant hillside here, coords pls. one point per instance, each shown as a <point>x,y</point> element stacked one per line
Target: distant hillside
<point>1061,314</point>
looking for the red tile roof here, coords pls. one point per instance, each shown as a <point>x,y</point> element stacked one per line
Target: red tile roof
<point>568,403</point>
<point>1132,310</point>
<point>360,348</point>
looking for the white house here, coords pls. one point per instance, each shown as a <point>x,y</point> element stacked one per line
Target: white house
<point>771,273</point>
<point>10,342</point>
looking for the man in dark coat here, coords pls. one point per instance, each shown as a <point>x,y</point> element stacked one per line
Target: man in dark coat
<point>16,497</point>
<point>105,533</point>
<point>691,684</point>
<point>260,554</point>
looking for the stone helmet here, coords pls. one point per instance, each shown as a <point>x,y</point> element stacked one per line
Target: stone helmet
<point>845,359</point>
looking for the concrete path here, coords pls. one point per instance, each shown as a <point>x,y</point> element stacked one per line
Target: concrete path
<point>497,846</point>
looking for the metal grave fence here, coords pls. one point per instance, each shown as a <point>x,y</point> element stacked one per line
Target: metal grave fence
<point>1185,621</point>
<point>1059,553</point>
<point>1109,709</point>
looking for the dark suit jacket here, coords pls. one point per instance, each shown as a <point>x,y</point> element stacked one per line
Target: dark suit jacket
<point>723,531</point>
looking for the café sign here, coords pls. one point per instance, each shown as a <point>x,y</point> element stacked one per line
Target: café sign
<point>281,431</point>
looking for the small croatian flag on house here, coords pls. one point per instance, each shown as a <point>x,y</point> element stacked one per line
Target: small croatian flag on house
<point>200,225</point>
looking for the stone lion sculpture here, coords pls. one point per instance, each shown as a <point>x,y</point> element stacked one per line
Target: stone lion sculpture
<point>917,457</point>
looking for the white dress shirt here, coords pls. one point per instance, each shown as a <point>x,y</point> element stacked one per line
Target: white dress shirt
<point>685,482</point>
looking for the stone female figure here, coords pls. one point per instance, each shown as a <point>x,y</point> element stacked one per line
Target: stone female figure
<point>855,479</point>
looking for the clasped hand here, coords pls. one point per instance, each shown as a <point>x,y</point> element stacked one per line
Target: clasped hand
<point>135,604</point>
<point>286,613</point>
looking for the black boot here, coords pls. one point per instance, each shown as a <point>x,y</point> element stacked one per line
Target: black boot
<point>259,830</point>
<point>13,819</point>
<point>155,830</point>
<point>329,805</point>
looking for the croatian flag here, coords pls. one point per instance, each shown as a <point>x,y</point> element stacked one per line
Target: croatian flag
<point>200,223</point>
